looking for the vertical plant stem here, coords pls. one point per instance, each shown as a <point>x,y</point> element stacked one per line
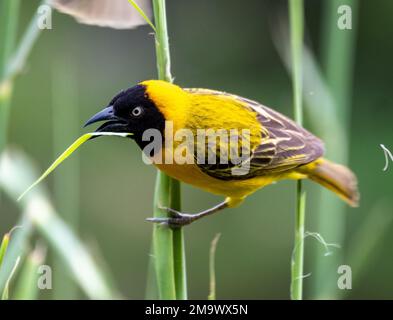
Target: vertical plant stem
<point>338,51</point>
<point>11,64</point>
<point>9,12</point>
<point>151,292</point>
<point>169,253</point>
<point>24,47</point>
<point>66,181</point>
<point>179,254</point>
<point>296,14</point>
<point>163,242</point>
<point>5,102</point>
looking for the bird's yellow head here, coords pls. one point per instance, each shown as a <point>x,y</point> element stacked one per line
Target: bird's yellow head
<point>145,106</point>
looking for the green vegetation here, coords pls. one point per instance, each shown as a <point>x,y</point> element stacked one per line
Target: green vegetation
<point>104,197</point>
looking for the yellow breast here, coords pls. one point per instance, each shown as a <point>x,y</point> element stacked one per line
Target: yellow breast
<point>191,174</point>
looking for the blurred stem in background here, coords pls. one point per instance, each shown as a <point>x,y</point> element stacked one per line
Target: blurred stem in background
<point>212,267</point>
<point>362,248</point>
<point>9,13</point>
<point>66,180</point>
<point>11,63</point>
<point>17,171</point>
<point>27,288</point>
<point>168,252</point>
<point>338,62</point>
<point>296,15</point>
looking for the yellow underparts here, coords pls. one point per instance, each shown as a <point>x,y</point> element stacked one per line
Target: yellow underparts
<point>235,190</point>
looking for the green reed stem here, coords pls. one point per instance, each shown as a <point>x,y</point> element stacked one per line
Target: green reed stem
<point>168,244</point>
<point>296,15</point>
<point>17,63</point>
<point>9,12</point>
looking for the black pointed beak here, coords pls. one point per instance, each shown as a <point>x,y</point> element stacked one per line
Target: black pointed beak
<point>112,124</point>
<point>105,115</point>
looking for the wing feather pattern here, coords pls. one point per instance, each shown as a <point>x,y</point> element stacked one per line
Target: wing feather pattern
<point>284,144</point>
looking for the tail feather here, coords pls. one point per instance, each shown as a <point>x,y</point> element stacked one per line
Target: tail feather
<point>334,177</point>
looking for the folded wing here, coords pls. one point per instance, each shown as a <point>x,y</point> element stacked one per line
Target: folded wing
<point>284,144</point>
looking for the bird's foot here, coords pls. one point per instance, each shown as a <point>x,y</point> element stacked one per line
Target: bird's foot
<point>177,219</point>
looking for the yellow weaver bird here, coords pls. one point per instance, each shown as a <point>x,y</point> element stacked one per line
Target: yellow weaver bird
<point>279,148</point>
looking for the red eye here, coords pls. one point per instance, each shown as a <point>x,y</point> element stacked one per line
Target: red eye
<point>137,111</point>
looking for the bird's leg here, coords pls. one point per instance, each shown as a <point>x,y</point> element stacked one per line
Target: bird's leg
<point>178,219</point>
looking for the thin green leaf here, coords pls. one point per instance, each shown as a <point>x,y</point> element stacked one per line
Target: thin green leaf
<point>16,248</point>
<point>143,14</point>
<point>4,246</point>
<point>81,140</point>
<point>5,294</point>
<point>5,243</point>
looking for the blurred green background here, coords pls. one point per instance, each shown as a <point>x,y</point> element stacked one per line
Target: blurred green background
<point>220,45</point>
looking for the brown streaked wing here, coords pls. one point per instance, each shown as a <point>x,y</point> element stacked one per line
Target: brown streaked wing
<point>285,145</point>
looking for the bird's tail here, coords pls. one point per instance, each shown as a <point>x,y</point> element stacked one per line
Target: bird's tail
<point>335,177</point>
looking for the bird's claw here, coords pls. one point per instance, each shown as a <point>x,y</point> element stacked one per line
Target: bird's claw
<point>174,213</point>
<point>176,220</point>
